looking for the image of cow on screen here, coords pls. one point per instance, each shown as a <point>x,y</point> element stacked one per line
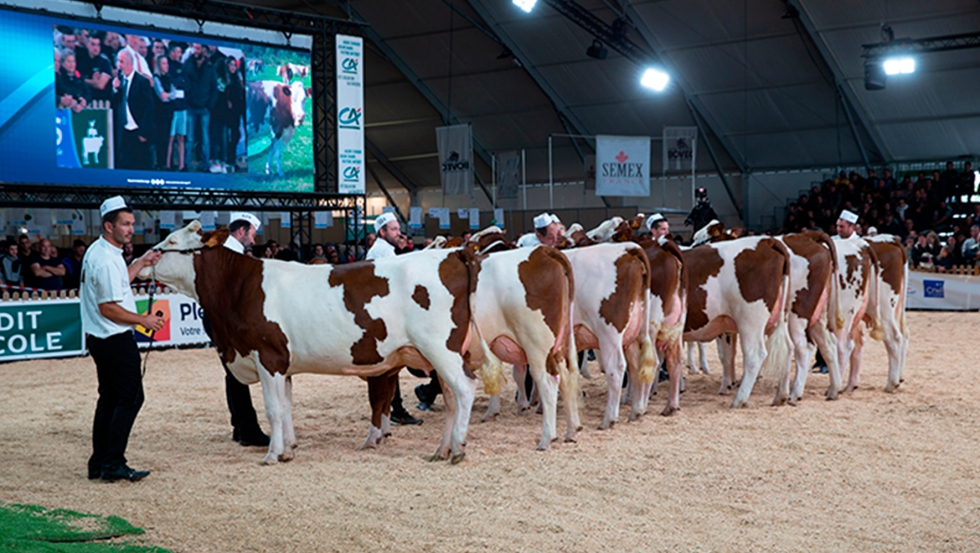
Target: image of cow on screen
<point>280,139</point>
<point>129,100</point>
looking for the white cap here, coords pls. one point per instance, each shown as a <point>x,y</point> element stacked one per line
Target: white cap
<point>555,219</point>
<point>383,220</point>
<point>112,204</point>
<point>247,217</point>
<point>849,216</point>
<point>653,219</point>
<point>872,231</point>
<point>543,220</point>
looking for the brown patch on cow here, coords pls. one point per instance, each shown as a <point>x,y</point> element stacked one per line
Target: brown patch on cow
<point>701,264</point>
<point>666,264</point>
<point>632,279</point>
<point>580,239</point>
<point>819,271</point>
<point>215,238</point>
<point>361,285</point>
<point>768,259</point>
<point>855,262</point>
<point>421,296</point>
<point>282,113</point>
<point>229,287</point>
<point>623,233</point>
<point>458,272</point>
<point>892,259</point>
<point>453,243</point>
<point>541,273</point>
<point>491,242</point>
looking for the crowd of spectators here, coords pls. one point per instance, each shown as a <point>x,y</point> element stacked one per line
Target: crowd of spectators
<point>931,212</point>
<point>196,110</point>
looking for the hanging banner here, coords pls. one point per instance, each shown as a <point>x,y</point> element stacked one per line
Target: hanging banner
<point>207,220</point>
<point>474,218</point>
<point>623,165</point>
<point>508,175</point>
<point>350,114</point>
<point>415,217</point>
<point>463,213</point>
<point>680,145</point>
<point>455,159</point>
<point>498,217</point>
<point>285,219</point>
<point>167,220</point>
<point>323,219</point>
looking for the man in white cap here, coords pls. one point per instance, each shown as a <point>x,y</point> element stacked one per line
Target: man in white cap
<point>658,226</point>
<point>545,232</point>
<point>846,223</point>
<point>389,231</point>
<point>108,317</point>
<point>244,422</point>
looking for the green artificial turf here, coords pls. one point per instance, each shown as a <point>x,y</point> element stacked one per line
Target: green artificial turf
<point>36,529</point>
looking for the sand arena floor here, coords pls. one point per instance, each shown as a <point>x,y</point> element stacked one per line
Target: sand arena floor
<point>870,472</point>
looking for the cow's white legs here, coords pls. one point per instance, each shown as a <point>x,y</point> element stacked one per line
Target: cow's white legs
<point>896,350</point>
<point>727,346</point>
<point>826,342</point>
<point>614,366</point>
<point>702,358</point>
<point>523,402</point>
<point>675,360</point>
<point>802,353</point>
<point>493,408</point>
<point>854,357</point>
<point>458,392</point>
<point>753,354</point>
<point>288,431</point>
<point>274,397</point>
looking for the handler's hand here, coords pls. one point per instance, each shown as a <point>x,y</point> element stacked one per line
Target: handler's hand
<point>152,322</point>
<point>151,257</point>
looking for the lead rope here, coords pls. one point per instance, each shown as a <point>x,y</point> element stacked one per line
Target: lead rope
<point>149,310</point>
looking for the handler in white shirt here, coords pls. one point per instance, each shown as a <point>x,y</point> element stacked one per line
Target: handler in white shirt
<point>108,317</point>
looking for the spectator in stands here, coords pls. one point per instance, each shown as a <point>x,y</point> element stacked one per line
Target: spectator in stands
<point>163,89</point>
<point>95,68</point>
<point>944,261</point>
<point>133,105</point>
<point>178,107</point>
<point>971,247</point>
<point>333,256</point>
<point>703,213</point>
<point>318,252</point>
<point>271,249</point>
<point>229,115</point>
<point>158,49</point>
<point>73,265</point>
<point>44,268</point>
<point>136,46</point>
<point>953,244</point>
<point>24,249</point>
<point>201,93</point>
<point>10,265</point>
<point>128,255</point>
<point>70,90</point>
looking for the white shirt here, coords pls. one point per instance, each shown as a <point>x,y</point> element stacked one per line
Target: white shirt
<point>380,249</point>
<point>234,245</point>
<point>139,63</point>
<point>104,279</point>
<point>130,121</point>
<point>528,240</point>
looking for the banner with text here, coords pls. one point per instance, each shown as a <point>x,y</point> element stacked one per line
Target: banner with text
<point>680,148</point>
<point>183,321</point>
<point>943,291</point>
<point>455,159</point>
<point>350,114</point>
<point>623,165</point>
<point>36,329</point>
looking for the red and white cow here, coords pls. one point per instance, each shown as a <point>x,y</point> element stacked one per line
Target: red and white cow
<point>283,106</point>
<point>290,70</point>
<point>741,287</point>
<point>272,319</point>
<point>857,272</point>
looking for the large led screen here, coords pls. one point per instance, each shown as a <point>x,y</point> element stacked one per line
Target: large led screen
<point>90,104</point>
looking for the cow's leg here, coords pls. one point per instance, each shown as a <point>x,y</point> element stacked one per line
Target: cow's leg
<point>854,374</point>
<point>273,397</point>
<point>895,348</point>
<point>675,362</point>
<point>638,392</point>
<point>691,369</point>
<point>703,358</point>
<point>568,386</point>
<point>275,150</point>
<point>493,408</point>
<point>523,402</point>
<point>380,391</point>
<point>614,367</point>
<point>458,392</point>
<point>802,352</point>
<point>288,431</point>
<point>727,345</point>
<point>826,342</point>
<point>753,354</point>
<point>547,385</point>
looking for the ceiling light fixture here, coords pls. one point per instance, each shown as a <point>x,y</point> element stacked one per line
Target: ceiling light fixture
<point>655,79</point>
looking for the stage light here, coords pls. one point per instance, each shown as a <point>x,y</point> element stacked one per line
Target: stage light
<point>526,5</point>
<point>899,66</point>
<point>597,50</point>
<point>655,79</point>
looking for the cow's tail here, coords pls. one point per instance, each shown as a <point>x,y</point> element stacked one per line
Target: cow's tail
<point>491,368</point>
<point>835,315</point>
<point>648,357</point>
<point>776,363</point>
<point>569,369</point>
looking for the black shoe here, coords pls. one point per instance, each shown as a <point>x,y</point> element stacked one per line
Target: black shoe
<point>94,474</point>
<point>424,393</point>
<point>404,419</point>
<point>124,473</point>
<point>423,406</point>
<point>258,438</point>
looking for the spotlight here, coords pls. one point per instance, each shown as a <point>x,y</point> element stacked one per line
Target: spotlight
<point>655,79</point>
<point>899,66</point>
<point>597,50</point>
<point>526,5</point>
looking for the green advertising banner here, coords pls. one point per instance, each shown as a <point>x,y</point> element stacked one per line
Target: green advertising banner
<point>40,329</point>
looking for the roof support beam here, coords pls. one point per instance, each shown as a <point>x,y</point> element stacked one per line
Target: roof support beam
<point>851,105</point>
<point>689,96</point>
<point>387,194</point>
<point>401,177</point>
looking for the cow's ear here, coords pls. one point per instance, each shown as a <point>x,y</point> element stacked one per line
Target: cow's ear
<point>216,238</point>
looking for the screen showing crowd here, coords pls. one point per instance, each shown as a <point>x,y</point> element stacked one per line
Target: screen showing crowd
<point>151,108</point>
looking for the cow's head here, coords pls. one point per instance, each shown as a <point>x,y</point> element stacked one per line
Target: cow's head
<point>297,95</point>
<point>176,267</point>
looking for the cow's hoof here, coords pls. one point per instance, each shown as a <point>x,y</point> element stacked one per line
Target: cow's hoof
<point>456,459</point>
<point>286,456</point>
<point>779,401</point>
<point>606,425</point>
<point>270,459</point>
<point>544,445</point>
<point>368,444</point>
<point>669,411</point>
<point>793,401</point>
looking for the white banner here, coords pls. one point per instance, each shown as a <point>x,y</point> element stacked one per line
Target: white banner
<point>323,219</point>
<point>62,217</point>
<point>350,114</point>
<point>944,292</point>
<point>183,323</point>
<point>167,220</point>
<point>285,219</point>
<point>498,217</point>
<point>207,220</point>
<point>474,218</point>
<point>508,175</point>
<point>455,158</point>
<point>415,217</point>
<point>623,164</point>
<point>680,148</point>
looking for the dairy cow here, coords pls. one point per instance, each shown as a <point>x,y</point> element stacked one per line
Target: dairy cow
<point>282,107</point>
<point>272,319</point>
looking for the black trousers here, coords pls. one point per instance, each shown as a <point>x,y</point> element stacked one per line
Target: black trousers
<point>244,421</point>
<point>117,362</point>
